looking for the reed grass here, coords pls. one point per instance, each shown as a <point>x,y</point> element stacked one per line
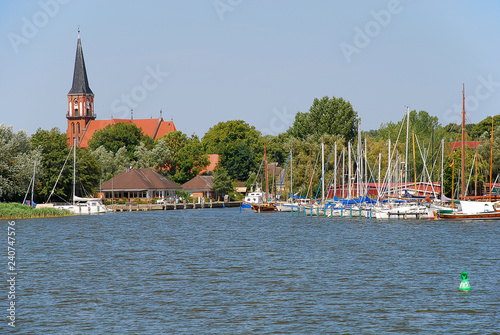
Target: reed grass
<point>10,211</point>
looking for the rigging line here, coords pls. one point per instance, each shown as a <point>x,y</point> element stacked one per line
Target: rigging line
<point>60,173</point>
<point>372,174</point>
<point>258,173</point>
<point>337,163</point>
<point>425,166</point>
<point>323,176</point>
<point>283,177</point>
<point>470,174</point>
<point>312,175</point>
<point>27,191</point>
<point>389,159</point>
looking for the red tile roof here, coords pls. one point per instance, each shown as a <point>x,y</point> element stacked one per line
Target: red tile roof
<point>165,128</point>
<point>155,128</point>
<point>214,160</point>
<point>471,144</point>
<point>139,180</point>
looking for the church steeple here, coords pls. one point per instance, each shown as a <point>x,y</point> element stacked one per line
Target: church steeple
<point>80,98</point>
<point>80,80</point>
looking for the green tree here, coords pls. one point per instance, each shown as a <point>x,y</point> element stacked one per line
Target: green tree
<point>222,183</point>
<point>17,158</point>
<point>144,157</point>
<point>161,154</point>
<point>55,150</point>
<point>485,152</point>
<point>333,116</point>
<point>88,172</point>
<point>186,158</point>
<point>239,146</point>
<point>483,126</point>
<point>114,137</point>
<point>453,166</point>
<point>111,163</point>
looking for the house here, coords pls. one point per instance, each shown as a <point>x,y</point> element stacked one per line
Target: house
<point>470,144</point>
<point>200,186</point>
<point>240,187</point>
<point>139,183</point>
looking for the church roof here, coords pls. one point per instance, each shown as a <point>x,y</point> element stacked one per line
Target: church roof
<point>154,128</point>
<point>80,80</point>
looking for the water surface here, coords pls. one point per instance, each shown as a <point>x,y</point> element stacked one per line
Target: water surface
<point>219,271</point>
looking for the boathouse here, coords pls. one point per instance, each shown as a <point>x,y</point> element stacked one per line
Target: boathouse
<point>200,187</point>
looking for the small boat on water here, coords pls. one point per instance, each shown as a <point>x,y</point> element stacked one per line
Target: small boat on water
<point>292,204</point>
<point>472,210</point>
<point>255,197</point>
<point>266,206</point>
<point>80,206</point>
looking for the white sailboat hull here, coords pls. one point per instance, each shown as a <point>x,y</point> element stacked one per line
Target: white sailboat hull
<point>88,207</point>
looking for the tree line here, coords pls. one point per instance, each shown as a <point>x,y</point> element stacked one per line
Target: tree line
<point>240,146</point>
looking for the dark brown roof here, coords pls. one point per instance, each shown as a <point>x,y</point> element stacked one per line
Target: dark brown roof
<point>80,80</point>
<point>199,183</point>
<point>139,179</point>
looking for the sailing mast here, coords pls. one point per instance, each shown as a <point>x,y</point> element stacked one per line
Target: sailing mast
<point>491,155</point>
<point>267,184</point>
<point>335,172</point>
<point>74,169</point>
<point>323,170</point>
<point>349,168</point>
<point>442,166</point>
<point>33,184</point>
<point>291,172</point>
<point>463,143</point>
<point>406,155</point>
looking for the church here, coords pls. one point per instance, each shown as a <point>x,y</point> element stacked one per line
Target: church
<point>81,117</point>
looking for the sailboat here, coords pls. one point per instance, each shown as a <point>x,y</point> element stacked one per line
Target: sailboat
<point>80,205</point>
<point>265,206</point>
<point>473,210</point>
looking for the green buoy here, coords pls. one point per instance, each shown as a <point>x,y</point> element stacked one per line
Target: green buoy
<point>464,284</point>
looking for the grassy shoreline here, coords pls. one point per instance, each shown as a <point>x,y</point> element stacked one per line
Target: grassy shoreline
<point>16,211</point>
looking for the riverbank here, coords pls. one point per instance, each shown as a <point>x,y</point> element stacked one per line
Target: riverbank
<point>14,211</point>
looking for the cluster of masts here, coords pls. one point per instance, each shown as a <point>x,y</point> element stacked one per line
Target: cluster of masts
<point>395,197</point>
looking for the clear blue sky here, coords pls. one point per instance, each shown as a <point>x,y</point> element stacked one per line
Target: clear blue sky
<point>259,61</point>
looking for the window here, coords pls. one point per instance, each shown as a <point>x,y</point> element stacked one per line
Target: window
<point>88,107</point>
<point>75,107</point>
<point>73,125</point>
<point>78,128</point>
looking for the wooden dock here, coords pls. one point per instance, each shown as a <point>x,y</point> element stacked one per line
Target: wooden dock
<point>135,207</point>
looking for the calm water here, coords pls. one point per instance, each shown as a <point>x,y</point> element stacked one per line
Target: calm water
<point>220,271</point>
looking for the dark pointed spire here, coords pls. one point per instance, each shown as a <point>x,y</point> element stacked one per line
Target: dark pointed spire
<point>80,81</point>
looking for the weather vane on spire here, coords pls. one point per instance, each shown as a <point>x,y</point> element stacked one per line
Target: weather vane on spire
<point>78,31</point>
